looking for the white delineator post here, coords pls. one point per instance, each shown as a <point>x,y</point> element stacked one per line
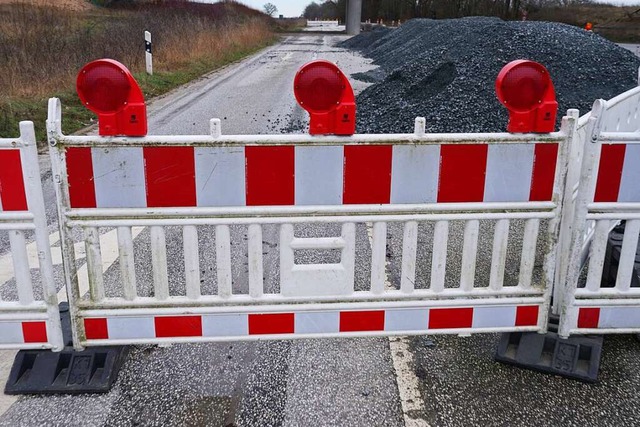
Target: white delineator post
<point>148,55</point>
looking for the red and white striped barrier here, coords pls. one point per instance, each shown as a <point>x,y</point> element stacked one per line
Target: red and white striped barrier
<point>27,322</point>
<point>618,174</point>
<point>179,176</point>
<point>257,180</point>
<point>621,318</point>
<point>609,192</point>
<point>25,332</point>
<point>13,195</point>
<point>299,324</point>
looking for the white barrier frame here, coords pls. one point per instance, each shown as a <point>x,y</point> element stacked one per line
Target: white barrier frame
<point>27,309</point>
<point>377,298</point>
<point>612,122</point>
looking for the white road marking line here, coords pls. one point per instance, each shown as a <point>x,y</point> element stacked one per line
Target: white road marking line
<point>402,358</point>
<point>109,248</point>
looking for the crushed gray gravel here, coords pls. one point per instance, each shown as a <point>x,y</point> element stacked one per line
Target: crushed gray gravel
<point>445,70</point>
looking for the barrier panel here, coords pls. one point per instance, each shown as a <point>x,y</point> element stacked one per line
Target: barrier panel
<point>29,317</point>
<point>207,199</point>
<point>608,195</point>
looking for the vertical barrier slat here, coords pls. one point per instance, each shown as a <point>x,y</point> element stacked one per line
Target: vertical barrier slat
<point>256,268</point>
<point>628,255</point>
<point>94,263</point>
<point>499,254</point>
<point>439,257</point>
<point>409,251</point>
<point>565,296</point>
<point>567,180</point>
<point>21,266</point>
<point>469,254</point>
<point>597,255</point>
<point>378,257</point>
<point>35,202</point>
<point>127,266</point>
<point>61,186</point>
<point>528,256</point>
<point>287,255</point>
<point>348,253</point>
<point>159,263</point>
<point>191,260</point>
<point>223,260</point>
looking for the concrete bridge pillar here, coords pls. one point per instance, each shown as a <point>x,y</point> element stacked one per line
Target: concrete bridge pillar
<point>354,16</point>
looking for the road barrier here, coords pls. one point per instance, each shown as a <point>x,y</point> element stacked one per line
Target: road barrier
<point>537,208</point>
<point>31,320</point>
<point>608,193</point>
<point>256,181</point>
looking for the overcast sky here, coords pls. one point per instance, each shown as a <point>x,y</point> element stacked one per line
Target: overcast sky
<point>295,7</point>
<point>285,7</point>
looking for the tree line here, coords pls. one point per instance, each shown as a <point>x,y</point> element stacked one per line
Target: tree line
<point>393,10</point>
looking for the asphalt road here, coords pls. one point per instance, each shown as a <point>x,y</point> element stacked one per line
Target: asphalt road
<point>635,48</point>
<point>440,381</point>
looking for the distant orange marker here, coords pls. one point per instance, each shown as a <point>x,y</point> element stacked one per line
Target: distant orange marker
<point>588,26</point>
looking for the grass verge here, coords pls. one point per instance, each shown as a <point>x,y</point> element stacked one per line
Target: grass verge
<point>190,40</point>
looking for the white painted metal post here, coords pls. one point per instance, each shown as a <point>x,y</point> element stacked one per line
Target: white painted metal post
<point>147,54</point>
<point>588,177</point>
<point>35,202</point>
<point>573,146</point>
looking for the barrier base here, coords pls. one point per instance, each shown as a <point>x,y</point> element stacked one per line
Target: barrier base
<point>577,357</point>
<point>93,370</point>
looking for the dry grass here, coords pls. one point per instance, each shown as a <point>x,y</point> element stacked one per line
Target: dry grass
<point>620,24</point>
<point>74,5</point>
<point>42,48</point>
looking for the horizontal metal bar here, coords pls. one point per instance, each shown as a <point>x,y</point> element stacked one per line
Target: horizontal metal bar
<point>301,139</point>
<point>297,336</point>
<point>275,215</point>
<point>318,243</point>
<point>613,216</point>
<point>25,346</point>
<point>615,138</point>
<point>6,226</point>
<point>309,219</point>
<point>608,294</point>
<point>601,331</point>
<point>320,210</point>
<point>16,216</point>
<point>11,143</point>
<point>613,207</point>
<point>23,316</point>
<point>234,302</point>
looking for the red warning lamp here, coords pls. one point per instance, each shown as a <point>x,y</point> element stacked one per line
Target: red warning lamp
<point>325,92</point>
<point>525,88</point>
<point>107,88</point>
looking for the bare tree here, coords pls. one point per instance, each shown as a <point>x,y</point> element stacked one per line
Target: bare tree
<point>270,9</point>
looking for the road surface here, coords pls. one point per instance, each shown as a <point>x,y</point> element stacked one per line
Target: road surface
<point>635,48</point>
<point>439,381</point>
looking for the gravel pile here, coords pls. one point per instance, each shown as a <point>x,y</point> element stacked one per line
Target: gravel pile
<point>445,70</point>
<point>366,39</point>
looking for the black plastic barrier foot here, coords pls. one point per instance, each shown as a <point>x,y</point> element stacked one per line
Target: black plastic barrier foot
<point>577,357</point>
<point>93,370</point>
